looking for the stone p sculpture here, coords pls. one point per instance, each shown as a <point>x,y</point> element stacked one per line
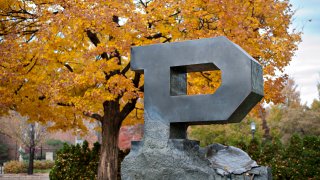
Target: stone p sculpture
<point>164,152</point>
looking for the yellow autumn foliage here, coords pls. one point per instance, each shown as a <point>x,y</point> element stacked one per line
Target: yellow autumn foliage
<point>61,60</point>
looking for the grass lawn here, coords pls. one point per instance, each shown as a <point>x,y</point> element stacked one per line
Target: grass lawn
<point>41,170</point>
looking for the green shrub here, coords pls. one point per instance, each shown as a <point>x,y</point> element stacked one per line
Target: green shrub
<point>76,162</point>
<point>14,167</point>
<point>79,162</point>
<point>299,159</point>
<point>254,148</point>
<point>311,156</point>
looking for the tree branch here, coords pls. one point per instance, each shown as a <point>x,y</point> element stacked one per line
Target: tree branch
<point>174,14</point>
<point>112,73</point>
<point>167,40</point>
<point>155,36</point>
<point>95,40</point>
<point>68,67</point>
<point>130,105</point>
<point>94,116</point>
<point>34,64</point>
<point>19,88</point>
<point>144,5</point>
<point>125,70</point>
<point>141,88</point>
<point>115,19</point>
<point>127,109</point>
<point>42,97</point>
<point>65,104</point>
<point>203,75</point>
<point>93,37</point>
<point>136,79</point>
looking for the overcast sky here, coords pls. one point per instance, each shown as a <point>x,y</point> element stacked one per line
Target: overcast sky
<point>305,66</point>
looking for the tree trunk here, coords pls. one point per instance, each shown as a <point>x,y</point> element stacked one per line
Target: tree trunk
<point>31,149</point>
<point>31,158</point>
<point>108,164</point>
<point>265,127</point>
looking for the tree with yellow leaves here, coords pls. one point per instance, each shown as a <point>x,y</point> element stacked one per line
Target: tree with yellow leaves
<point>63,61</point>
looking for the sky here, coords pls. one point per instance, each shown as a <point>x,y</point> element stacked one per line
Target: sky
<point>305,65</point>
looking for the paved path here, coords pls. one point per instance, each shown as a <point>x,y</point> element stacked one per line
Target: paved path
<point>24,177</point>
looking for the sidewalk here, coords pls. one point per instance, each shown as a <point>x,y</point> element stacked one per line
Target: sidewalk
<point>24,177</point>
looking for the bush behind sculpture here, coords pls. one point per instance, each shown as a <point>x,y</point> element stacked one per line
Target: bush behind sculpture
<point>299,159</point>
<point>76,162</point>
<point>79,162</point>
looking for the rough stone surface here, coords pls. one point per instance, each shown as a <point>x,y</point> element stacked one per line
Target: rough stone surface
<point>184,159</point>
<point>229,159</point>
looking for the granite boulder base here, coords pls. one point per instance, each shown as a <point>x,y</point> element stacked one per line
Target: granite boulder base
<point>181,159</point>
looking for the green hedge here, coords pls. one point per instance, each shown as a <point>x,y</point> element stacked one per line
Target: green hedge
<point>299,159</point>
